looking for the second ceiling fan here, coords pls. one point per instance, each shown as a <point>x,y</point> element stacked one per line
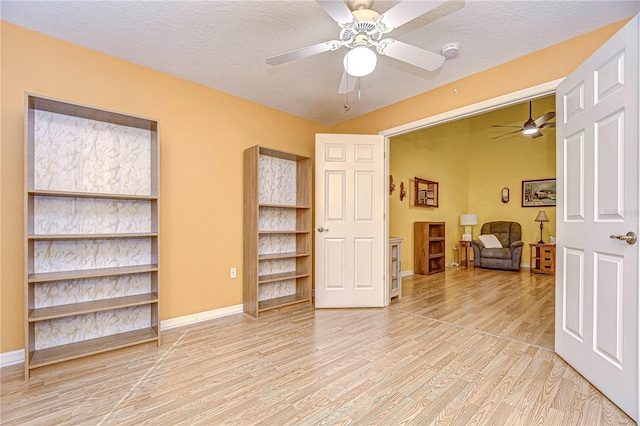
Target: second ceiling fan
<point>362,29</point>
<point>531,127</point>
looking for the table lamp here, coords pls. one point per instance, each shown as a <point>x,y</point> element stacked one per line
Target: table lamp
<point>468,221</point>
<point>542,217</point>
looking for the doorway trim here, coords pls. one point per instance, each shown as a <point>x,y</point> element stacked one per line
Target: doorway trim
<point>530,93</point>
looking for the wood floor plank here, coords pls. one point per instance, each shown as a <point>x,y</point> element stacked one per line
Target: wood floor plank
<point>466,347</point>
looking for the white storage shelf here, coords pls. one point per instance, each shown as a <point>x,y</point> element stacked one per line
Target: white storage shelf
<point>395,268</point>
<point>91,231</point>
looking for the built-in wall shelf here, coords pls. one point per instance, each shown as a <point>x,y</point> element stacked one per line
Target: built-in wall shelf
<point>277,229</point>
<point>91,240</point>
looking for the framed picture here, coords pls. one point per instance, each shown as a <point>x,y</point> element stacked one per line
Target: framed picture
<point>539,193</point>
<point>426,193</point>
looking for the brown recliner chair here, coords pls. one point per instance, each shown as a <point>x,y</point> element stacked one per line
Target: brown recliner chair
<point>508,256</point>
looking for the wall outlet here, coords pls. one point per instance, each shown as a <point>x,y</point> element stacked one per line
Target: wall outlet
<point>233,273</point>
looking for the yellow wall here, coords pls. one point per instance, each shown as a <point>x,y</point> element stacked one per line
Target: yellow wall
<point>436,154</point>
<point>472,169</point>
<point>203,135</point>
<point>506,162</point>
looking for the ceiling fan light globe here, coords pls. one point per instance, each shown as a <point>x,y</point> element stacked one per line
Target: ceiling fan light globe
<point>360,61</point>
<point>529,127</point>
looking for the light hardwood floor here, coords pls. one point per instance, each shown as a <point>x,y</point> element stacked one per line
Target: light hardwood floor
<point>465,347</point>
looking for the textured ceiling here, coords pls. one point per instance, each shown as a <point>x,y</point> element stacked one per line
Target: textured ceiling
<point>223,44</point>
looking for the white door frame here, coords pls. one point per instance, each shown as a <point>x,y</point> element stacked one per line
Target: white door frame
<point>539,91</point>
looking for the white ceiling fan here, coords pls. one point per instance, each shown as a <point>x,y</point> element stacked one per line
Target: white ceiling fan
<point>362,29</point>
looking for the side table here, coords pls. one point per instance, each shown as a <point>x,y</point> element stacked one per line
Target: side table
<point>465,247</point>
<point>543,258</point>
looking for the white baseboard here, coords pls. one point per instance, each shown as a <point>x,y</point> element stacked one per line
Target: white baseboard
<point>17,357</point>
<point>406,273</point>
<point>11,358</point>
<point>200,316</point>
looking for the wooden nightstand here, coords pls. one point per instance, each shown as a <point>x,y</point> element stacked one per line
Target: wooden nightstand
<point>465,247</point>
<point>543,258</point>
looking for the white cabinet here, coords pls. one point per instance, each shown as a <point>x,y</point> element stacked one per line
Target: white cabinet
<point>395,268</point>
<point>91,241</point>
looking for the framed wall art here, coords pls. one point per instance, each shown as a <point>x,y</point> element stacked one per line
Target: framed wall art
<point>539,193</point>
<point>426,193</point>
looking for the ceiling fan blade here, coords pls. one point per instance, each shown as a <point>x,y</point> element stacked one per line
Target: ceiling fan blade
<point>536,135</point>
<point>500,125</point>
<point>338,10</point>
<point>510,133</point>
<point>406,11</point>
<point>410,54</point>
<point>547,126</point>
<point>347,84</point>
<point>548,116</point>
<point>303,52</point>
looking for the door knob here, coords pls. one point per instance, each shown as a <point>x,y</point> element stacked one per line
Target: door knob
<point>630,238</point>
<point>321,229</point>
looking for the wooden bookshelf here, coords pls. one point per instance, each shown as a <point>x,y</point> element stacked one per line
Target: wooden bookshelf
<point>429,247</point>
<point>89,196</point>
<point>277,229</point>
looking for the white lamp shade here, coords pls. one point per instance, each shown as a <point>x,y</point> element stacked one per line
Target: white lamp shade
<point>360,61</point>
<point>542,217</point>
<point>469,219</point>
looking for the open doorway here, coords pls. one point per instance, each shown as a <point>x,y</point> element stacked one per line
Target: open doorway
<point>473,164</point>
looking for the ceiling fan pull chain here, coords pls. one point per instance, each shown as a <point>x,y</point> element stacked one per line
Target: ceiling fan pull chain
<point>346,106</point>
<point>359,92</point>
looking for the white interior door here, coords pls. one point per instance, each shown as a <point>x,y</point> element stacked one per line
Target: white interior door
<point>597,172</point>
<point>349,237</point>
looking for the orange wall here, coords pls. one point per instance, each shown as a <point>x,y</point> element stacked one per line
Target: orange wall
<point>203,133</point>
<point>536,68</point>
